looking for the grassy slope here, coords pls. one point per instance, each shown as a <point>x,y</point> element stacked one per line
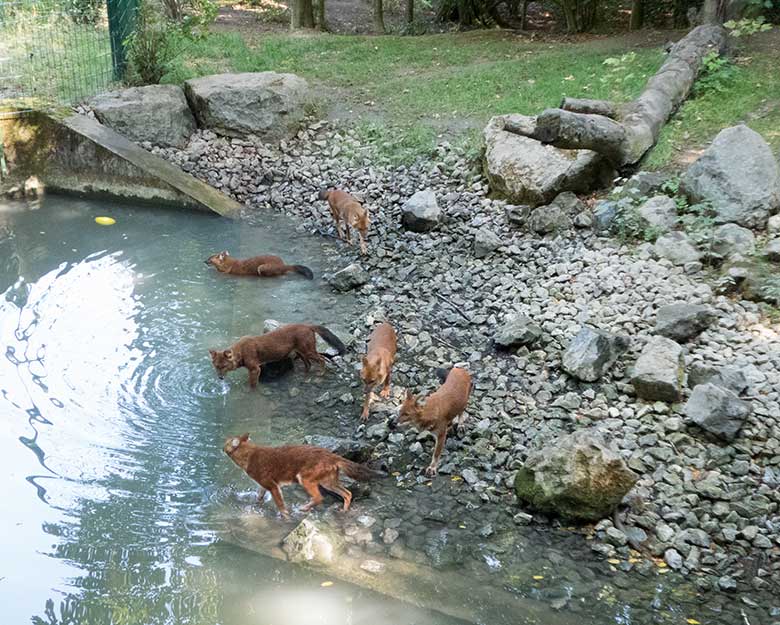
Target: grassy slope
<point>423,86</point>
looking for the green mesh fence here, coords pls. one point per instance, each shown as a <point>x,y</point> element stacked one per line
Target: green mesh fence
<point>62,50</point>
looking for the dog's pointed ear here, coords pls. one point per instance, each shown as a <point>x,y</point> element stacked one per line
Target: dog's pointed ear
<point>244,437</point>
<point>212,352</point>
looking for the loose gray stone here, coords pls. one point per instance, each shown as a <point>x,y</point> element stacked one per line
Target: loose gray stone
<point>517,215</point>
<point>357,451</point>
<point>659,212</point>
<point>351,277</point>
<point>673,558</point>
<point>731,239</point>
<point>681,321</point>
<point>518,329</point>
<point>717,410</point>
<point>677,248</point>
<point>156,113</point>
<point>548,219</point>
<point>729,377</point>
<point>659,371</point>
<point>738,175</point>
<point>592,352</point>
<point>772,250</point>
<point>485,242</point>
<point>644,183</point>
<point>421,212</point>
<point>604,215</point>
<point>773,226</point>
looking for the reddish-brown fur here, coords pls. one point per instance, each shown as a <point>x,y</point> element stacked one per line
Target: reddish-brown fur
<point>345,207</point>
<point>378,363</point>
<point>266,266</point>
<point>439,410</point>
<point>311,467</point>
<point>292,340</point>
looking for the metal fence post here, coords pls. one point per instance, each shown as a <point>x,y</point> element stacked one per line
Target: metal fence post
<point>121,20</point>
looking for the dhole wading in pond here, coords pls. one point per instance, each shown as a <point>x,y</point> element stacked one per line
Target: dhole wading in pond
<point>295,340</point>
<point>311,467</point>
<point>267,266</point>
<point>345,207</point>
<point>377,364</point>
<point>439,410</point>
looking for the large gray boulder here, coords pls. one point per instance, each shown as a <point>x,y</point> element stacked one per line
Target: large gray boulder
<point>659,212</point>
<point>485,242</point>
<point>592,352</point>
<point>517,329</point>
<point>681,321</point>
<point>731,239</point>
<point>312,541</point>
<point>157,113</point>
<point>351,277</point>
<point>266,104</point>
<point>659,371</point>
<point>730,377</point>
<point>421,212</point>
<point>677,248</point>
<point>739,176</point>
<point>717,410</point>
<point>577,477</point>
<point>526,171</point>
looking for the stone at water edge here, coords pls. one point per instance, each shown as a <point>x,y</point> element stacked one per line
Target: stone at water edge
<point>312,541</point>
<point>681,321</point>
<point>772,250</point>
<point>485,242</point>
<point>717,410</point>
<point>773,226</point>
<point>421,212</point>
<point>738,175</point>
<point>351,277</point>
<point>659,371</point>
<point>592,352</point>
<point>357,451</point>
<point>517,329</point>
<point>265,104</point>
<point>577,477</point>
<point>156,113</point>
<point>526,171</point>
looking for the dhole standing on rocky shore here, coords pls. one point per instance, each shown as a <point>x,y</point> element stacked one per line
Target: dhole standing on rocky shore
<point>439,410</point>
<point>345,207</point>
<point>378,363</point>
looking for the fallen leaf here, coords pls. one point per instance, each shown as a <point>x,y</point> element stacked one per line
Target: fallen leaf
<point>692,621</point>
<point>538,576</point>
<point>326,584</point>
<point>456,478</point>
<point>613,561</point>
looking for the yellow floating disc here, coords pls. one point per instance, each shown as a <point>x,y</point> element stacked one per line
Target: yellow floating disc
<point>105,221</point>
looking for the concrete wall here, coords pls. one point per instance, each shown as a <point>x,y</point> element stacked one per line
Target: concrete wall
<point>76,154</point>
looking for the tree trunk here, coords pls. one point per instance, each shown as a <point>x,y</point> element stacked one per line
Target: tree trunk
<point>410,11</point>
<point>524,15</point>
<point>321,15</point>
<point>570,13</point>
<point>713,11</point>
<point>379,17</point>
<point>637,15</point>
<point>635,129</point>
<point>302,14</point>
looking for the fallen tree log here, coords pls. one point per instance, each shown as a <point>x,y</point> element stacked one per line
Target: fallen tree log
<point>623,133</point>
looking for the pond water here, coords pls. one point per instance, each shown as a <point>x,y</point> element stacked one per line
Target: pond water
<point>118,504</point>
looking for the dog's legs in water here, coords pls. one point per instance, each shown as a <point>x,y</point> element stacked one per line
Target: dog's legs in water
<point>333,485</point>
<point>254,375</point>
<point>276,493</point>
<point>314,492</point>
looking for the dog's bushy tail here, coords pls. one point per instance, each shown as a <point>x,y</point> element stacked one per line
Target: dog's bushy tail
<point>304,271</point>
<point>330,338</point>
<point>360,472</point>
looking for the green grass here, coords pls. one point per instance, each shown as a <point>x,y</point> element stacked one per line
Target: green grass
<point>414,90</point>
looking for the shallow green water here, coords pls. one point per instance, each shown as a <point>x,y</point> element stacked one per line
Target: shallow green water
<point>111,467</point>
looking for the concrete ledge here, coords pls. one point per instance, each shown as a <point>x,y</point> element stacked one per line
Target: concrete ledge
<point>77,154</point>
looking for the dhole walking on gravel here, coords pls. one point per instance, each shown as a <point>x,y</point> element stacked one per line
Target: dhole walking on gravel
<point>378,363</point>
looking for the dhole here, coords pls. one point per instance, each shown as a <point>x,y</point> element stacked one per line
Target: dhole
<point>311,467</point>
<point>439,410</point>
<point>267,266</point>
<point>346,207</point>
<point>292,340</point>
<point>377,363</point>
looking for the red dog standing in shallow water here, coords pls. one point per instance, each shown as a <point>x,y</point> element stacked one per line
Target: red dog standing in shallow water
<point>439,410</point>
<point>311,467</point>
<point>267,266</point>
